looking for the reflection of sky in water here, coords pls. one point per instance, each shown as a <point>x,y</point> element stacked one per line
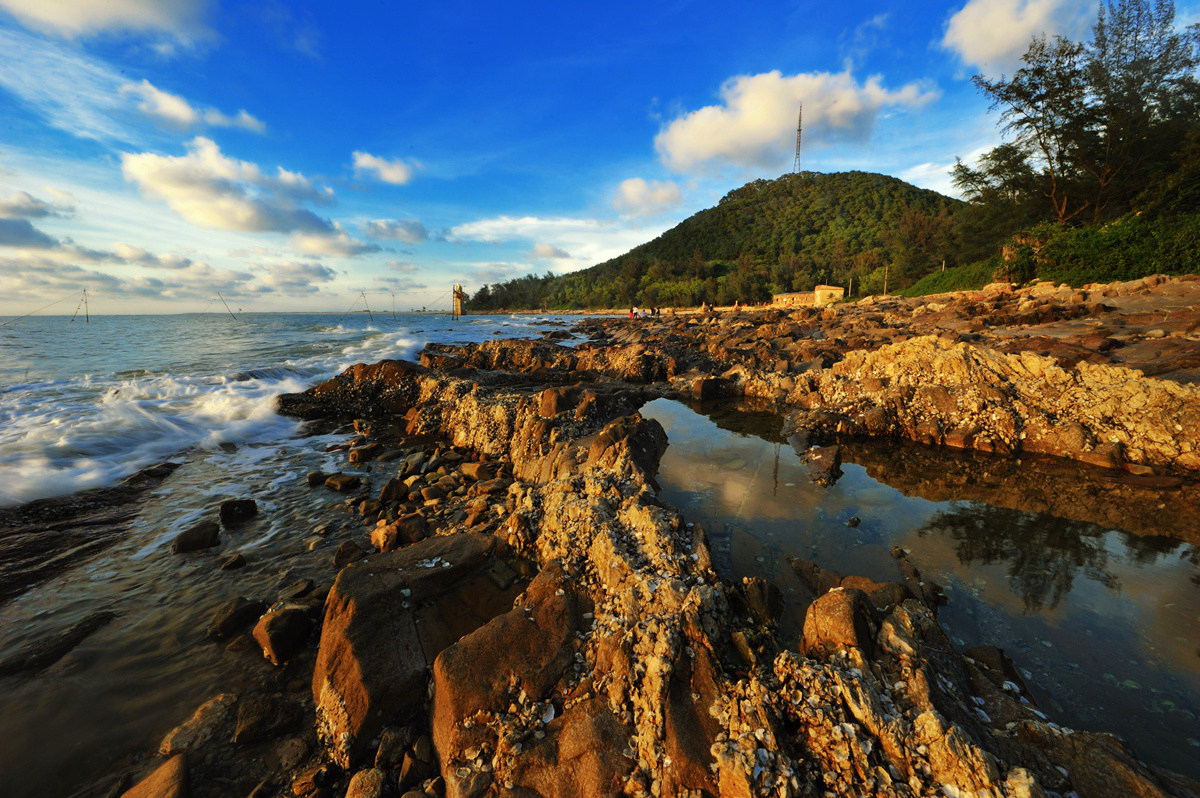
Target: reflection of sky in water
<point>1106,623</point>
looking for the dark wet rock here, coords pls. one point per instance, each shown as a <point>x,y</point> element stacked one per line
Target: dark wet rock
<point>312,779</point>
<point>290,752</point>
<point>825,464</point>
<point>315,478</point>
<point>213,720</point>
<point>818,580</point>
<point>44,653</point>
<point>235,511</point>
<point>762,598</point>
<point>853,521</point>
<point>203,535</point>
<point>282,631</point>
<point>298,589</point>
<point>233,616</point>
<point>342,482</point>
<point>169,780</point>
<point>708,388</point>
<point>233,562</point>
<point>882,595</point>
<point>261,717</point>
<point>393,491</point>
<point>386,387</point>
<point>416,767</point>
<point>394,743</point>
<point>347,552</point>
<point>365,453</point>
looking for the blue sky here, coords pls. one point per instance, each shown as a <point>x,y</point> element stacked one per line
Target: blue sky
<point>291,156</point>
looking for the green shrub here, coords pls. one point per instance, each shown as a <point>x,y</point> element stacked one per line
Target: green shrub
<point>958,278</point>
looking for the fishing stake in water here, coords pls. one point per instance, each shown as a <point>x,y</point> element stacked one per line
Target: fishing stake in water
<point>83,303</point>
<point>226,304</point>
<point>365,305</point>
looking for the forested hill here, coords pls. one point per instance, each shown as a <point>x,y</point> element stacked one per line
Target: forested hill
<point>766,237</point>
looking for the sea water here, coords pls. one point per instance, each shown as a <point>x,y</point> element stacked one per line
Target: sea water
<point>84,404</point>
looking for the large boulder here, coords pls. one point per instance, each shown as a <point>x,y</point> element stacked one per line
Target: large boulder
<point>386,618</point>
<point>527,649</point>
<point>840,619</point>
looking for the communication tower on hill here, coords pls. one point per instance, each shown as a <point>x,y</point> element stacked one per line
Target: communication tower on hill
<point>799,129</point>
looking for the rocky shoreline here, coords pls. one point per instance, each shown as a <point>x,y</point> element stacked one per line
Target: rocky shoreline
<point>519,613</point>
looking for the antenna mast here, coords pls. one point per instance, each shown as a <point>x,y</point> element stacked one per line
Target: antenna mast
<point>799,130</point>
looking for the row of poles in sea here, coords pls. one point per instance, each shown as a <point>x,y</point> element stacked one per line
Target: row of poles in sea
<point>457,297</point>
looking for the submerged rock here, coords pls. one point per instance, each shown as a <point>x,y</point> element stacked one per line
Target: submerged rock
<point>203,535</point>
<point>235,511</point>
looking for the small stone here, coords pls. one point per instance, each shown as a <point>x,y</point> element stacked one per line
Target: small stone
<point>349,551</point>
<point>233,616</point>
<point>315,478</point>
<point>282,632</point>
<point>342,482</point>
<point>366,784</point>
<point>233,562</point>
<point>299,588</point>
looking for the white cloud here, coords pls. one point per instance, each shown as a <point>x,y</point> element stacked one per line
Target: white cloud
<point>994,34</point>
<point>24,205</point>
<point>637,197</point>
<point>295,277</point>
<point>175,110</point>
<point>68,90</point>
<point>410,231</point>
<point>337,243</point>
<point>589,241</point>
<point>210,189</point>
<point>395,170</point>
<point>754,126</point>
<point>399,284</point>
<point>132,254</point>
<point>181,19</point>
<point>543,250</point>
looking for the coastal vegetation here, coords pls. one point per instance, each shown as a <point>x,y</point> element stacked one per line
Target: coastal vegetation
<point>1098,179</point>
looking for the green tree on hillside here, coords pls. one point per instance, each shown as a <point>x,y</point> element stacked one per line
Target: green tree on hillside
<point>1091,125</point>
